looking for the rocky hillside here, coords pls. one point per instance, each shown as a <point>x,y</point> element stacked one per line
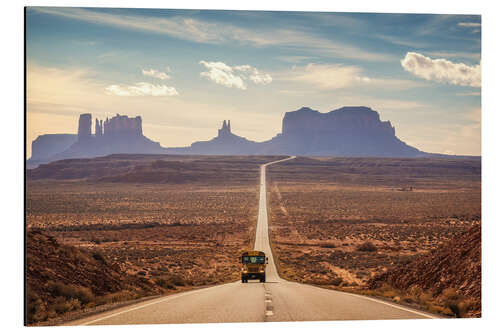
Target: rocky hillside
<point>62,278</point>
<point>451,273</point>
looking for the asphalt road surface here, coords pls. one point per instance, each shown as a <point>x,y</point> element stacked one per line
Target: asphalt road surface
<point>275,300</point>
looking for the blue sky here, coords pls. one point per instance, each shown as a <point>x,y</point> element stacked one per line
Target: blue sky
<point>184,71</point>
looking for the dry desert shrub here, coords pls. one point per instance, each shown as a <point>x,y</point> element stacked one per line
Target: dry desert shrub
<point>337,281</point>
<point>456,303</point>
<point>367,247</point>
<point>69,292</point>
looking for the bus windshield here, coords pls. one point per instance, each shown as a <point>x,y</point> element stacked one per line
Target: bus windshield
<point>253,259</point>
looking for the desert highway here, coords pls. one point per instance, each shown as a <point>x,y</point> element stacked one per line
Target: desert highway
<point>275,300</point>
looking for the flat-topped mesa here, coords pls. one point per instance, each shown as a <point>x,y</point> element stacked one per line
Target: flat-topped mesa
<point>364,118</point>
<point>346,118</point>
<point>348,131</point>
<point>121,126</point>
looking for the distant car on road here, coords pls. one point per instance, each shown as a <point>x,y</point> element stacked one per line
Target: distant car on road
<point>253,266</point>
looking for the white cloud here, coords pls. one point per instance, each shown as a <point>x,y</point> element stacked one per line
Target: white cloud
<point>261,78</point>
<point>141,89</point>
<point>222,74</point>
<point>442,70</point>
<point>254,74</point>
<point>235,76</point>
<point>156,74</point>
<point>469,24</point>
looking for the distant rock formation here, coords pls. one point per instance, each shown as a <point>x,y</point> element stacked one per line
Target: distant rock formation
<point>98,128</point>
<point>225,129</point>
<point>225,143</point>
<point>348,131</point>
<point>84,124</point>
<point>123,126</point>
<point>119,134</point>
<point>48,145</point>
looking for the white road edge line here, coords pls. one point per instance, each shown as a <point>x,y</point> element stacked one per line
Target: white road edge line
<point>421,313</point>
<point>164,299</point>
<point>396,306</point>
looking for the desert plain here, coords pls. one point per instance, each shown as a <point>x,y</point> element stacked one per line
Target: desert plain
<point>172,223</point>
